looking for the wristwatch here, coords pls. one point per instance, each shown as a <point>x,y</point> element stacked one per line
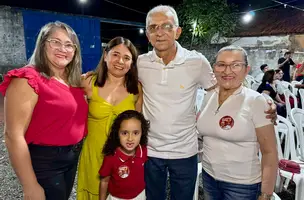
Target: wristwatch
<point>267,196</point>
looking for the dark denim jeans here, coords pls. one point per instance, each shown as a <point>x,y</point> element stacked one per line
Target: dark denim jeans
<point>55,169</point>
<point>220,190</point>
<point>182,176</point>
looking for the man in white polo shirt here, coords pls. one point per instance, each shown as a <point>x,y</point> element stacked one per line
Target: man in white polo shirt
<point>170,76</point>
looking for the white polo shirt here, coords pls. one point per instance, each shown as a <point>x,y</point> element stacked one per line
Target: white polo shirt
<point>230,148</point>
<point>169,93</point>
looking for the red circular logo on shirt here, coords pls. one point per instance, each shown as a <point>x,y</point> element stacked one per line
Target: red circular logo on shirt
<point>226,122</point>
<point>123,171</point>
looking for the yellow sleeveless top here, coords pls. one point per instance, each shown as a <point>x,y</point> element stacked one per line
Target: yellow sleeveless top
<point>100,119</point>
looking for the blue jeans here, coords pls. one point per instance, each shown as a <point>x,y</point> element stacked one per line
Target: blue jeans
<point>182,176</point>
<point>220,190</point>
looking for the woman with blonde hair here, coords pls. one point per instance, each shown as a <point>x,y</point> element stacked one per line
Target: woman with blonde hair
<point>45,115</point>
<point>112,89</point>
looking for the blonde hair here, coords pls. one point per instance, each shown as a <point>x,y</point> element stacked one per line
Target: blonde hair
<point>167,10</point>
<point>39,58</point>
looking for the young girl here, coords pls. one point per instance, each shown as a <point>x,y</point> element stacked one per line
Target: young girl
<point>125,151</point>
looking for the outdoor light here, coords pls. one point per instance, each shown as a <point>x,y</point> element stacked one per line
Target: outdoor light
<point>193,32</point>
<point>248,17</point>
<point>83,1</point>
<point>141,31</point>
<point>194,25</point>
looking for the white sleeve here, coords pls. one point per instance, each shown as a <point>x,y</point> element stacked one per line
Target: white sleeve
<point>138,65</point>
<point>259,107</point>
<point>206,77</point>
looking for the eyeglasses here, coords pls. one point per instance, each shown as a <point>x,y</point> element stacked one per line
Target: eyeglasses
<point>56,44</point>
<point>167,27</point>
<point>235,67</point>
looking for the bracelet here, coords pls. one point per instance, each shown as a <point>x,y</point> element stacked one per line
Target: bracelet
<point>266,196</point>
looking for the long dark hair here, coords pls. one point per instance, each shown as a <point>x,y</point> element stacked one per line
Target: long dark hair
<point>268,76</point>
<point>131,77</point>
<point>113,139</point>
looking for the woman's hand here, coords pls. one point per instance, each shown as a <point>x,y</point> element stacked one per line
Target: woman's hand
<point>33,192</point>
<point>264,198</point>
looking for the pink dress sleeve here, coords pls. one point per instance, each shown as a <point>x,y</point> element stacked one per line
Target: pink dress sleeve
<point>27,72</point>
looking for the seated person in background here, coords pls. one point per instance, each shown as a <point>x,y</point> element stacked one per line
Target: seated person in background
<point>298,75</point>
<point>264,68</point>
<point>268,87</point>
<point>280,88</point>
<point>278,75</point>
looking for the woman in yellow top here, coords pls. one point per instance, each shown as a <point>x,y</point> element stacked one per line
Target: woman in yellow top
<point>111,89</point>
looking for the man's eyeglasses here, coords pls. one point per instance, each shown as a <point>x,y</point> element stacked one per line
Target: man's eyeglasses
<point>56,44</point>
<point>167,27</point>
<point>235,67</point>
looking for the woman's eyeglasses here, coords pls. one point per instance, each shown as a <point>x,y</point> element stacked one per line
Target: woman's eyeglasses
<point>56,44</point>
<point>235,67</point>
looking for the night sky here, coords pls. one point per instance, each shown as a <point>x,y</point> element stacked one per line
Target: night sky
<point>105,9</point>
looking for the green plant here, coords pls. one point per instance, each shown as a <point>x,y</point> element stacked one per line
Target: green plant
<point>206,20</point>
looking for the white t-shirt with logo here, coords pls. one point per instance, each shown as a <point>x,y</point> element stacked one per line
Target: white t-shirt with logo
<point>230,146</point>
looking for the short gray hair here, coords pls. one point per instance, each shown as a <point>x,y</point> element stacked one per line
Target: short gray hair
<point>234,48</point>
<point>167,10</point>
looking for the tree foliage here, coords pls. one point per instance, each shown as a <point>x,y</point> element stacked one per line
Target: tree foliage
<point>212,18</point>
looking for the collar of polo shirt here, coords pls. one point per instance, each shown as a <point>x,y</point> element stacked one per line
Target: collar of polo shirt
<point>123,157</point>
<point>179,59</point>
<point>237,91</point>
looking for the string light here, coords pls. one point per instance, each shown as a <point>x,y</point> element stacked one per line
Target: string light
<point>286,4</point>
<point>267,7</point>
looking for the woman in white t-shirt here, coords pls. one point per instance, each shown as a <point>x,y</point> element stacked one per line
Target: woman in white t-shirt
<point>234,128</point>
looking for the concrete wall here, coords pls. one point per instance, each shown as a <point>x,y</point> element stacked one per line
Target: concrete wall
<point>268,49</point>
<point>12,45</point>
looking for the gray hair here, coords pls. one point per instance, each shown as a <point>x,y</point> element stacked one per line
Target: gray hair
<point>234,48</point>
<point>39,58</point>
<point>167,10</point>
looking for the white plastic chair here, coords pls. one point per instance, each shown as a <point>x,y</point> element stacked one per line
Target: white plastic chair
<point>287,95</point>
<point>295,90</point>
<point>250,81</point>
<point>283,129</point>
<point>289,152</point>
<point>250,78</point>
<point>276,197</point>
<point>280,87</point>
<point>199,171</point>
<point>280,155</point>
<point>297,118</point>
<point>199,99</point>
<point>287,85</point>
<point>301,92</point>
<point>255,86</point>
